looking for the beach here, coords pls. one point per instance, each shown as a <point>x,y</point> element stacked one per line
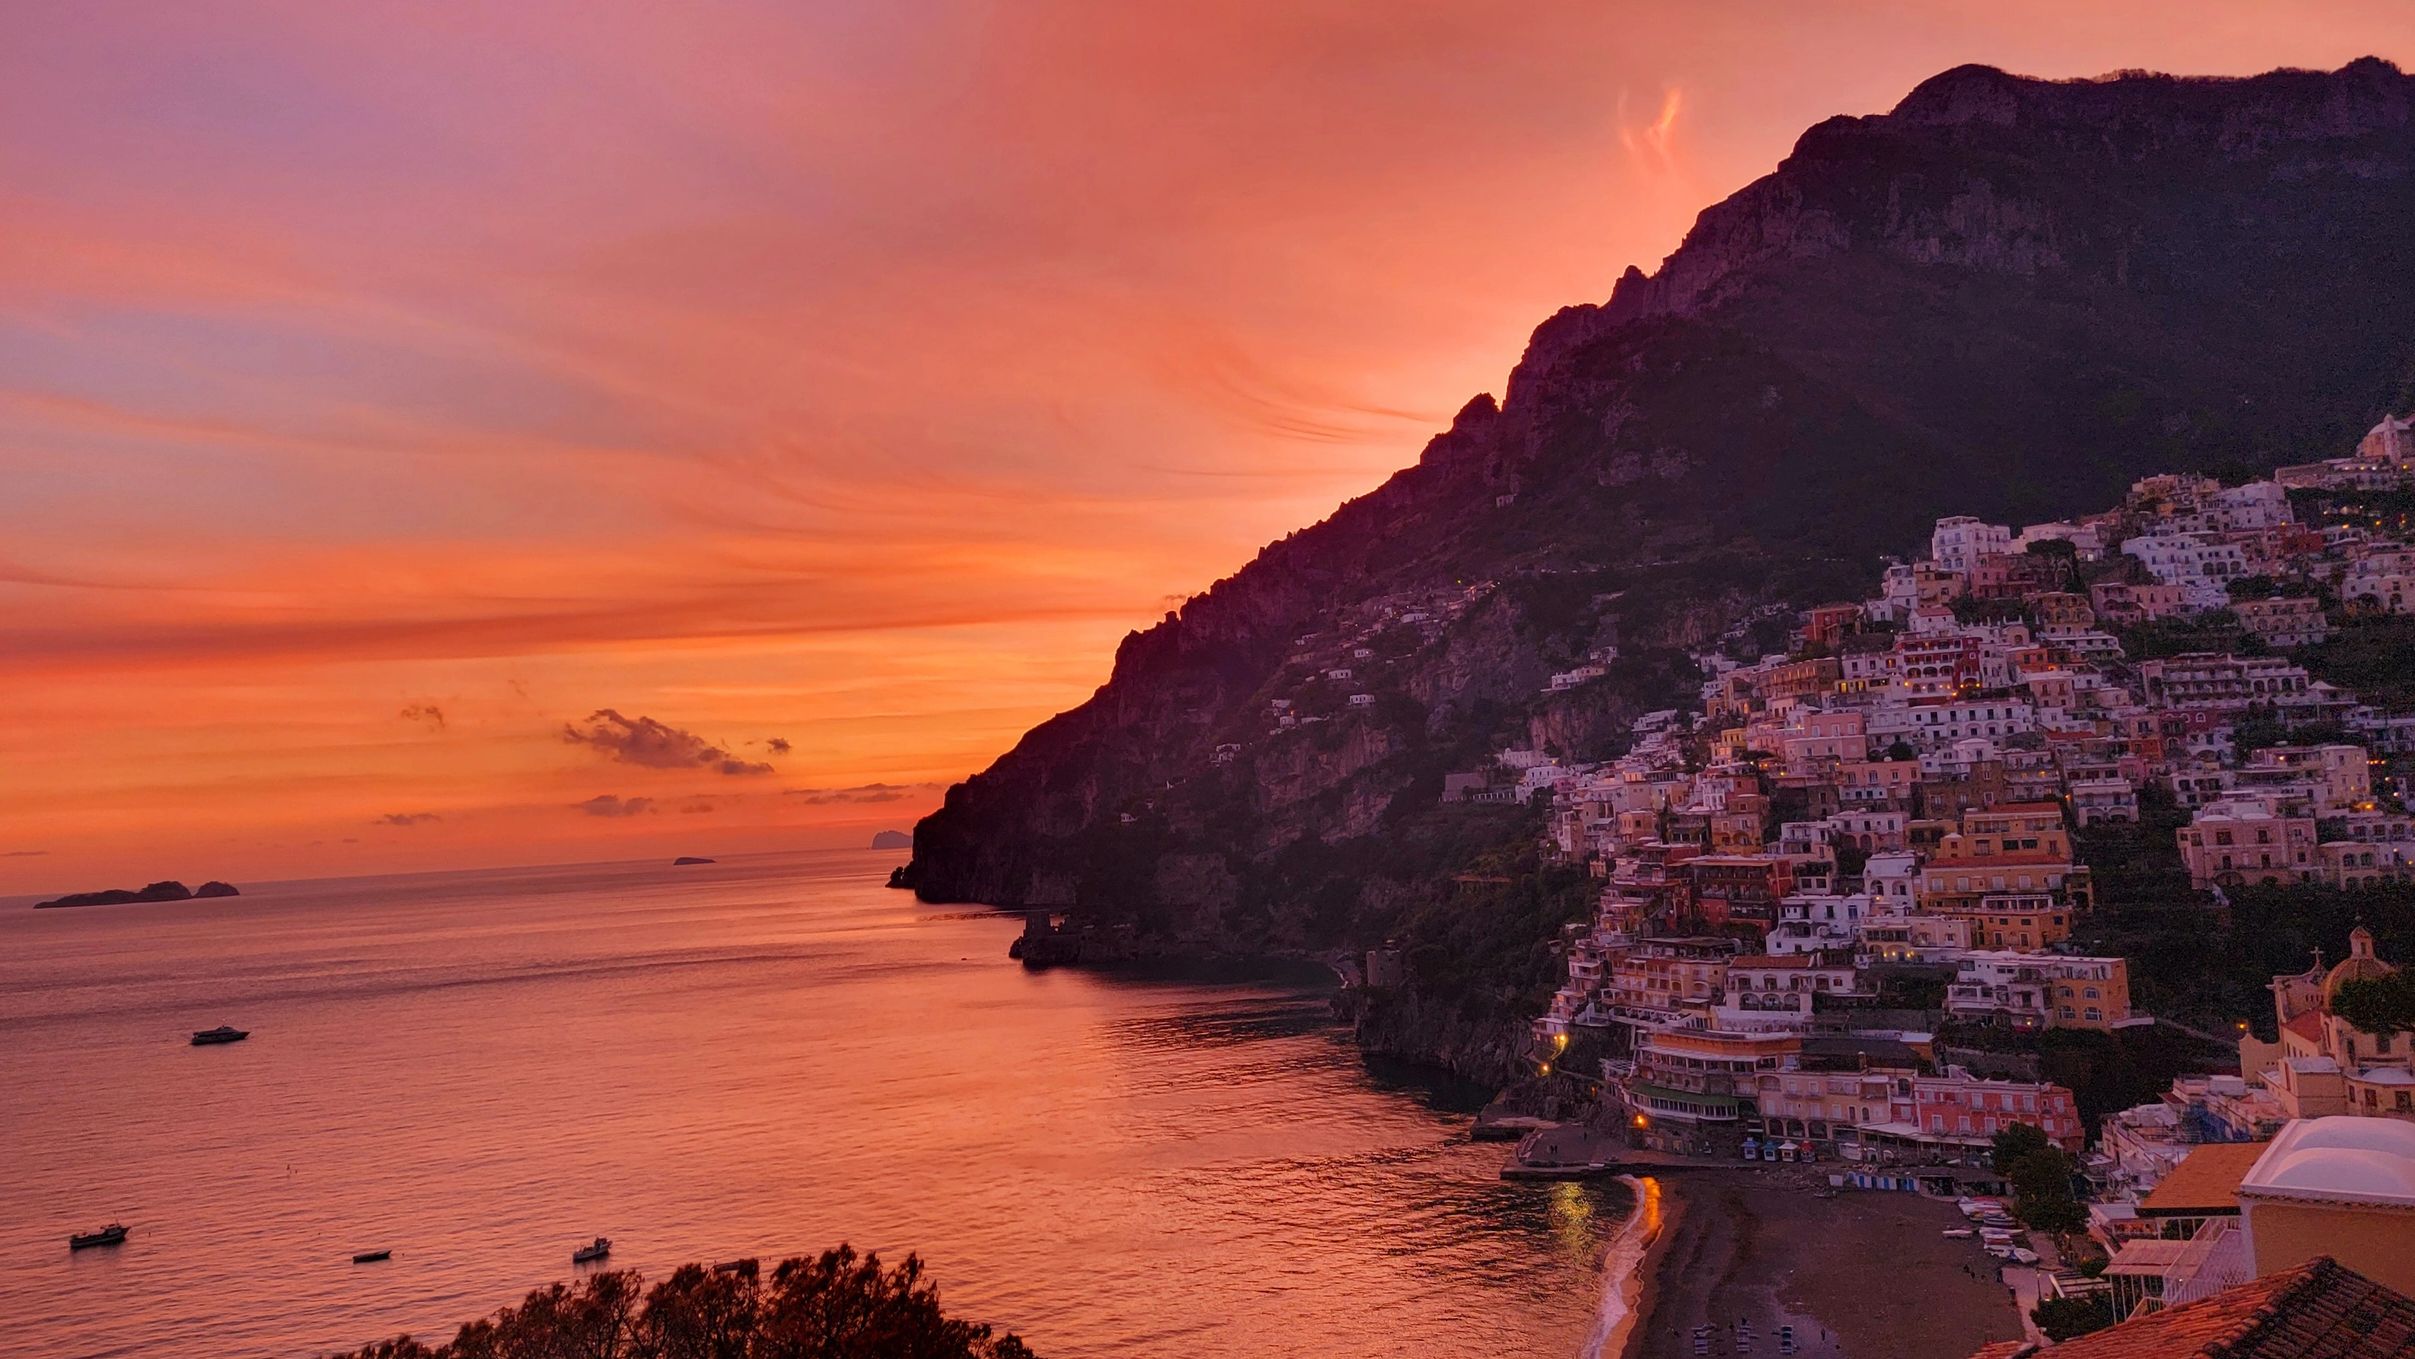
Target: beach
<point>1863,1275</point>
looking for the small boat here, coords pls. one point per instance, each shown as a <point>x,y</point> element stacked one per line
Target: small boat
<point>592,1252</point>
<point>1959,1233</point>
<point>224,1033</point>
<point>371,1257</point>
<point>110,1235</point>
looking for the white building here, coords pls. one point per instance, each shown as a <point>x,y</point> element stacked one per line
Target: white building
<point>1958,543</point>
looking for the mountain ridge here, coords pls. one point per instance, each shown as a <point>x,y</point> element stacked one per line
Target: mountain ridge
<point>2004,296</point>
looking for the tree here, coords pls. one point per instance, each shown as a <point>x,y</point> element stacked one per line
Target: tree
<point>2015,1142</point>
<point>2382,1005</point>
<point>2041,1175</point>
<point>2063,1318</point>
<point>838,1305</point>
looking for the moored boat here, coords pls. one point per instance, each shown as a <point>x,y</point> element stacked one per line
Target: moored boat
<point>592,1252</point>
<point>224,1033</point>
<point>371,1257</point>
<point>110,1235</point>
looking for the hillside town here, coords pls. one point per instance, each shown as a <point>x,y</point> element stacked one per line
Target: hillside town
<point>1867,841</point>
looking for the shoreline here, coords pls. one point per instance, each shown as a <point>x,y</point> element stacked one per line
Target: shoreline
<point>1723,1261</point>
<point>1631,1267</point>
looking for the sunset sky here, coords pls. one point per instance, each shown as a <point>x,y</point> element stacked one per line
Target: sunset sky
<point>452,434</point>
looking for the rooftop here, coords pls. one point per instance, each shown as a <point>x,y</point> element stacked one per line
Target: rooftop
<point>2206,1183</point>
<point>2317,1310</point>
<point>2343,1159</point>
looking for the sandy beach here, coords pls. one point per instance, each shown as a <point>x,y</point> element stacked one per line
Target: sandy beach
<point>1864,1275</point>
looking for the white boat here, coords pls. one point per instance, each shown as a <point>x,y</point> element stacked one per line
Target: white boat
<point>592,1252</point>
<point>1959,1233</point>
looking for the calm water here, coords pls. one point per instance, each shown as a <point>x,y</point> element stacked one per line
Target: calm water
<point>759,1057</point>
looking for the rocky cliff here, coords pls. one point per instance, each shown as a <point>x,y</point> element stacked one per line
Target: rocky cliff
<point>2007,296</point>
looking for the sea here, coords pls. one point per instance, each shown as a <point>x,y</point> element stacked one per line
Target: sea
<point>763,1056</point>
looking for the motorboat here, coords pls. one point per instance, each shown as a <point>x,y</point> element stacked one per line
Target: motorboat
<point>224,1033</point>
<point>591,1252</point>
<point>371,1257</point>
<point>110,1235</point>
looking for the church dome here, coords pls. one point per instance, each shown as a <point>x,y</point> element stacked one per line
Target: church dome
<point>2359,965</point>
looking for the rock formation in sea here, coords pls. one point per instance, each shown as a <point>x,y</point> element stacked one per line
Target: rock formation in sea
<point>892,839</point>
<point>167,890</point>
<point>2006,296</point>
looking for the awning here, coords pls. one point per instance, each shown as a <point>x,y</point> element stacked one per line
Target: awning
<point>1725,1104</point>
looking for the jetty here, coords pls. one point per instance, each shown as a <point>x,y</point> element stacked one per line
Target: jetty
<point>1573,1151</point>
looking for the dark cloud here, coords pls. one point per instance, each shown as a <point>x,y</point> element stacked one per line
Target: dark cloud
<point>644,741</point>
<point>23,853</point>
<point>696,808</point>
<point>424,712</point>
<point>860,793</point>
<point>777,745</point>
<point>607,804</point>
<point>406,819</point>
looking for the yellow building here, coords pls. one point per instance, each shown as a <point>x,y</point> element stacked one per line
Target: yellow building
<point>2322,1064</point>
<point>2342,1187</point>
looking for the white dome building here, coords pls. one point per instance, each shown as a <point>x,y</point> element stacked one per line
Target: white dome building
<point>2343,1187</point>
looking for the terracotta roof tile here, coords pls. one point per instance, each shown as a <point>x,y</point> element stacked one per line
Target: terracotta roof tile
<point>2206,1181</point>
<point>2317,1310</point>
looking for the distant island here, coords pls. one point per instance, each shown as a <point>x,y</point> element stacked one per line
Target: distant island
<point>892,839</point>
<point>686,859</point>
<point>158,891</point>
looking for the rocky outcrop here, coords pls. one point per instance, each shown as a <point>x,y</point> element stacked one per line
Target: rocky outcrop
<point>2005,296</point>
<point>168,890</point>
<point>1405,1024</point>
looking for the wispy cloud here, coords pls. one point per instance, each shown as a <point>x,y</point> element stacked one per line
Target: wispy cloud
<point>425,713</point>
<point>860,793</point>
<point>1652,144</point>
<point>608,804</point>
<point>650,744</point>
<point>407,819</point>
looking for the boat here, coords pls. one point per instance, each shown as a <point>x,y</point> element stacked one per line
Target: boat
<point>1959,1233</point>
<point>371,1257</point>
<point>593,1251</point>
<point>224,1033</point>
<point>110,1235</point>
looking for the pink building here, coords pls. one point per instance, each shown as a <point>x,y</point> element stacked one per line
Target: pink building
<point>1960,1107</point>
